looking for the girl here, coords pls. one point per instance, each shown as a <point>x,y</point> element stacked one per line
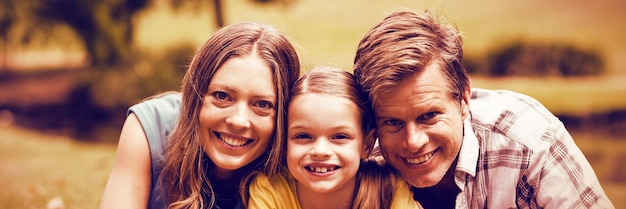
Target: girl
<point>330,135</point>
<point>229,123</point>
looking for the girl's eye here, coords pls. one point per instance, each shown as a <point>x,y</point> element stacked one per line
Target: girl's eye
<point>302,136</point>
<point>341,137</point>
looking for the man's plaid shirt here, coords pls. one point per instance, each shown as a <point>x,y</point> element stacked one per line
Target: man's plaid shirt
<point>516,154</point>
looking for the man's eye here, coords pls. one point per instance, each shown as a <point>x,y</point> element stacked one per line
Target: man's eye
<point>390,126</point>
<point>428,116</point>
<point>392,123</point>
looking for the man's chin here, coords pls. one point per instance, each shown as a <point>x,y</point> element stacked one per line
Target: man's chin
<point>421,184</point>
<point>422,181</point>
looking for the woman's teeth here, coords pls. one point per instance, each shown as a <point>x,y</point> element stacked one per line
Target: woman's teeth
<point>233,141</point>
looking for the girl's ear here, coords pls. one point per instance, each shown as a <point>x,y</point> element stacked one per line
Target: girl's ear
<point>368,143</point>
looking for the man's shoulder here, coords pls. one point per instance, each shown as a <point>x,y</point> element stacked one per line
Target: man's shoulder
<point>509,115</point>
<point>494,106</point>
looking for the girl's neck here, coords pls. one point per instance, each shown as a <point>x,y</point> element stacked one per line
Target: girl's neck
<point>341,198</point>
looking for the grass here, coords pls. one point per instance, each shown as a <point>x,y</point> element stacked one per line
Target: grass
<point>36,167</point>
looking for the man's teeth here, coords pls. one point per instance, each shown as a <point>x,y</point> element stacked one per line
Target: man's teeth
<point>420,159</point>
<point>233,141</point>
<point>321,169</point>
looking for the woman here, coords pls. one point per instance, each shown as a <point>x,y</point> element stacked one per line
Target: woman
<point>231,123</point>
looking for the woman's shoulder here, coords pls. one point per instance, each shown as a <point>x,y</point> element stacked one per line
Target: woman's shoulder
<point>165,102</point>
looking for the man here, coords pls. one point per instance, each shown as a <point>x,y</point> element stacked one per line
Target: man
<point>462,147</point>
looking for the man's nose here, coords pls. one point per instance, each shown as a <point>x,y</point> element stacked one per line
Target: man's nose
<point>416,138</point>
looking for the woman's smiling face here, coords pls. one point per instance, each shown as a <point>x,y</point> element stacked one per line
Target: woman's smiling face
<point>238,113</point>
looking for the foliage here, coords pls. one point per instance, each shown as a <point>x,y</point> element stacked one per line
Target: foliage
<point>537,60</point>
<point>104,27</point>
<point>145,76</point>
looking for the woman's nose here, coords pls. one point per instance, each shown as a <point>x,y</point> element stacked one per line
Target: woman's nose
<point>240,118</point>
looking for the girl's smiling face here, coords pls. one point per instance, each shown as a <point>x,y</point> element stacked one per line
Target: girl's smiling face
<point>325,143</point>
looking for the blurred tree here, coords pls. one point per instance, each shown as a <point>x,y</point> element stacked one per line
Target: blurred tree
<point>7,17</point>
<point>104,26</point>
<point>218,8</point>
<point>544,59</point>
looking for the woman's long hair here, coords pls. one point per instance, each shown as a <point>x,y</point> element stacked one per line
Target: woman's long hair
<point>185,174</point>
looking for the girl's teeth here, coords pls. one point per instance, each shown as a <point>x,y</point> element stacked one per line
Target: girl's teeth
<point>321,169</point>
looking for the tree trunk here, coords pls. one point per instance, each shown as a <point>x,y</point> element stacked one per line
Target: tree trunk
<point>219,14</point>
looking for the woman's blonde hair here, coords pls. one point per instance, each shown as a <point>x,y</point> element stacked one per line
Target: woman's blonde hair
<point>185,175</point>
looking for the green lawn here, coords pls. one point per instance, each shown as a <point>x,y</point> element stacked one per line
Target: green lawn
<point>36,167</point>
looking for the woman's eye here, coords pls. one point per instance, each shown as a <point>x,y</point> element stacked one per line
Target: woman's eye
<point>220,95</point>
<point>265,105</point>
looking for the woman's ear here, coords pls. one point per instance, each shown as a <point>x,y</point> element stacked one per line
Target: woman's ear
<point>368,143</point>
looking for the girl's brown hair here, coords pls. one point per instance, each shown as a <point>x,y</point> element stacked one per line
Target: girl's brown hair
<point>375,181</point>
<point>185,173</point>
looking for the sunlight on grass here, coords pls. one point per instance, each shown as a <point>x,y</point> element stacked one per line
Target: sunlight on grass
<point>606,154</point>
<point>35,168</point>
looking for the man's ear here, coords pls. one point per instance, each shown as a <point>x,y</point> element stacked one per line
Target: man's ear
<point>368,143</point>
<point>465,103</point>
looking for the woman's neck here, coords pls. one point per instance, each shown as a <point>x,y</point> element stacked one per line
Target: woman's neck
<point>225,185</point>
<point>341,198</point>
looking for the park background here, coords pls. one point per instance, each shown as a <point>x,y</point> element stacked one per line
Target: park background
<point>69,69</point>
